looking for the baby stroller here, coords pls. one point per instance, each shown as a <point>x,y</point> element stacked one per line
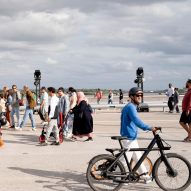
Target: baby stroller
<point>42,136</point>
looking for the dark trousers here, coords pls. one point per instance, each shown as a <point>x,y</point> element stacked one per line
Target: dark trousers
<point>170,104</point>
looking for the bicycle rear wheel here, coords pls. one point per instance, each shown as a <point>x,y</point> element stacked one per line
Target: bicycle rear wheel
<point>97,176</point>
<point>168,181</point>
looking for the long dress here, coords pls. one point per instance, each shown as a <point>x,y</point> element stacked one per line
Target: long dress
<point>83,121</point>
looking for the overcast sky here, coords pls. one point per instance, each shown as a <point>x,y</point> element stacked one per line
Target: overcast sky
<point>95,43</point>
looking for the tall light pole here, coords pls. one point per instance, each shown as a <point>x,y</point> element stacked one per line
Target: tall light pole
<point>139,81</point>
<point>37,78</point>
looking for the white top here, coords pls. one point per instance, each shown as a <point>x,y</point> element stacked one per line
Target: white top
<point>44,97</point>
<point>170,92</point>
<point>53,103</point>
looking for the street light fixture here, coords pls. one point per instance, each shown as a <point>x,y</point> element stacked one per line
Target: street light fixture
<point>37,78</point>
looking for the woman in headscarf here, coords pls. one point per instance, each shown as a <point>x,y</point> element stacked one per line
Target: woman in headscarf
<point>83,121</point>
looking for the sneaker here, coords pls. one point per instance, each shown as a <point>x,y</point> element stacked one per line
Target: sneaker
<point>148,180</point>
<point>12,126</point>
<point>34,129</point>
<point>89,139</point>
<point>18,128</point>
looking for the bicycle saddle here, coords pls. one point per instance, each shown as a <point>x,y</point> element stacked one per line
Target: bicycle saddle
<point>118,138</point>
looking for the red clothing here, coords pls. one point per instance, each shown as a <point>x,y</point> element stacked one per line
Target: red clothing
<point>99,94</point>
<point>186,102</point>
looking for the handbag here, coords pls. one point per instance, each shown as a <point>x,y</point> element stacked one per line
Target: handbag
<point>21,103</point>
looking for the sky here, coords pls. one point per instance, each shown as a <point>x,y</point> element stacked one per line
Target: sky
<point>95,43</point>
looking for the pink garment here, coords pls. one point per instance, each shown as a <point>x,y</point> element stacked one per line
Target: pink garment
<point>81,97</point>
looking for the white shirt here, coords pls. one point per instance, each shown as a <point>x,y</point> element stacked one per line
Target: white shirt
<point>170,92</point>
<point>53,103</point>
<point>44,97</point>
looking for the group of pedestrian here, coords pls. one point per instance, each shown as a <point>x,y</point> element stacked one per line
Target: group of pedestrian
<point>99,96</point>
<point>10,102</point>
<point>69,110</point>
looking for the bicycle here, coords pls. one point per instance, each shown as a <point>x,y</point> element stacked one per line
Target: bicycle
<point>107,172</point>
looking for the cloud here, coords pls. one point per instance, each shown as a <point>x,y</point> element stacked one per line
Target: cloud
<point>51,61</point>
<point>88,43</point>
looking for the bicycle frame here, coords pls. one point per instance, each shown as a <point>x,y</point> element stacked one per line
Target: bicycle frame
<point>156,140</point>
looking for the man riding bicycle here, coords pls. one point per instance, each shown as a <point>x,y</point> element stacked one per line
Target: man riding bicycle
<point>130,122</point>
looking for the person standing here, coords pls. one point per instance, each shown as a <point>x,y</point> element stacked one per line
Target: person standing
<point>99,95</point>
<point>120,96</point>
<point>52,117</point>
<point>170,94</point>
<point>110,97</point>
<point>30,104</point>
<point>16,97</point>
<point>130,122</point>
<point>185,118</point>
<point>176,100</point>
<point>83,120</point>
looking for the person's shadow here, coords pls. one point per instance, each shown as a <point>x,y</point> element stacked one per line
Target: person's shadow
<point>59,181</point>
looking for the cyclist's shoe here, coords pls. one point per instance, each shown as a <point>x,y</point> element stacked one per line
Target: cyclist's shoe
<point>148,180</point>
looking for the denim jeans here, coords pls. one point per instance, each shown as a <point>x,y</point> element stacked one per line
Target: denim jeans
<point>15,110</point>
<point>28,113</point>
<point>68,127</point>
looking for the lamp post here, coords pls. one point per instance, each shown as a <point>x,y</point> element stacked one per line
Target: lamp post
<point>37,78</point>
<point>139,81</point>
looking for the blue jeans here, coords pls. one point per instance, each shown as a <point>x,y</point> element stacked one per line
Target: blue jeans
<point>28,113</point>
<point>15,110</point>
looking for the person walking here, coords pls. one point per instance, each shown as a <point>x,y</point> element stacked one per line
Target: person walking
<point>43,110</point>
<point>99,95</point>
<point>63,106</point>
<point>30,104</point>
<point>9,107</point>
<point>52,117</point>
<point>176,100</point>
<point>170,94</point>
<point>185,118</point>
<point>110,97</point>
<point>83,120</point>
<point>120,96</point>
<point>130,122</point>
<point>68,127</point>
<point>16,97</point>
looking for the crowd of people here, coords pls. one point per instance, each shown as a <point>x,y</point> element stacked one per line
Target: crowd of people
<point>69,111</point>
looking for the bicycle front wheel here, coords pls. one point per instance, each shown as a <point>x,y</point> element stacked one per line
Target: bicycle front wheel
<point>97,176</point>
<point>169,181</point>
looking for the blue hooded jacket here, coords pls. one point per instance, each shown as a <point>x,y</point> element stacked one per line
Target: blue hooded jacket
<point>130,122</point>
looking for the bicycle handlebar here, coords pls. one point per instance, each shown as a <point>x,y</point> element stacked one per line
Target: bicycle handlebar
<point>157,129</point>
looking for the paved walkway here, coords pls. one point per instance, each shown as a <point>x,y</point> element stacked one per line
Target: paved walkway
<point>27,166</point>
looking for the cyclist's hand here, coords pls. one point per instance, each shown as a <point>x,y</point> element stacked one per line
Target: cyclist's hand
<point>154,129</point>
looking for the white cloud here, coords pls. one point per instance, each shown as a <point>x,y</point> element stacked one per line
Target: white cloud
<point>101,43</point>
<point>51,61</point>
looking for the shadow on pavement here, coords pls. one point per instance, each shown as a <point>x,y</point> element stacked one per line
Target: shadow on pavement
<point>59,181</point>
<point>24,139</point>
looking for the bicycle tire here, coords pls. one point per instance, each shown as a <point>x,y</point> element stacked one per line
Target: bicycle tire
<point>165,179</point>
<point>147,162</point>
<point>96,177</point>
